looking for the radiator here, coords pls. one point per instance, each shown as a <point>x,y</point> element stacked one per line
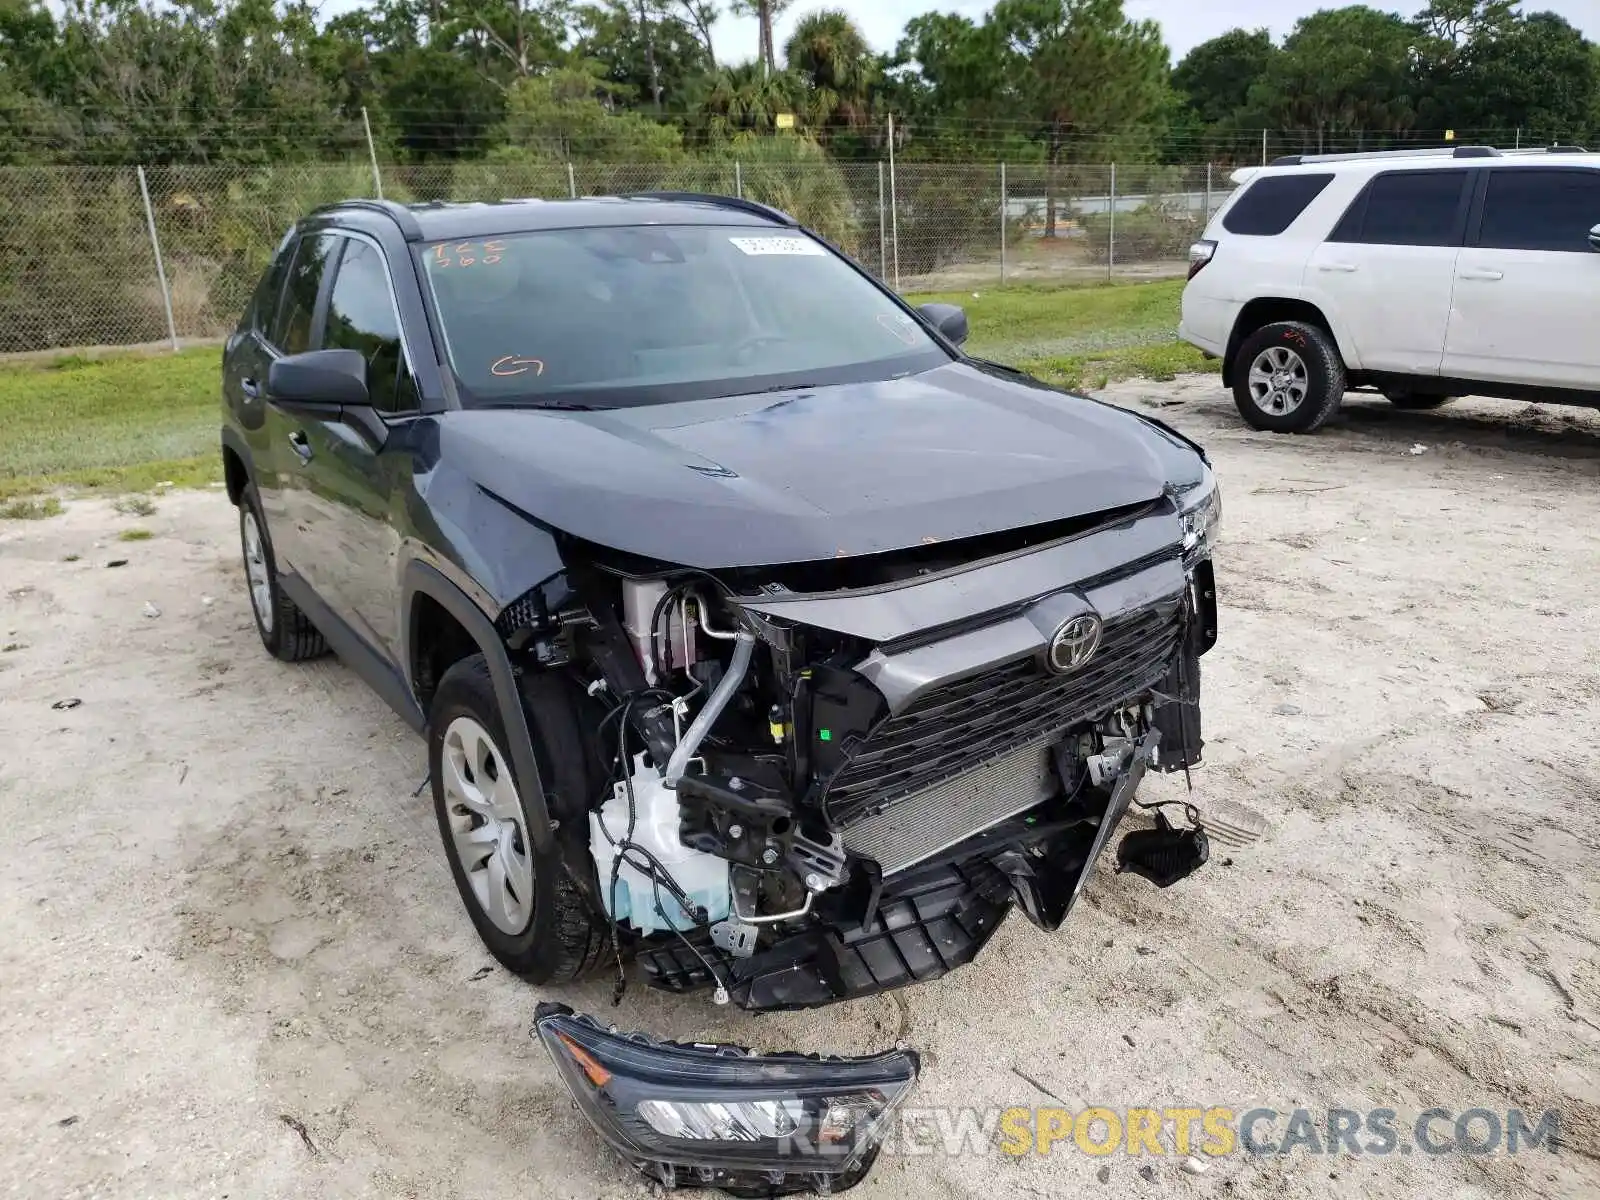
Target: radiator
<point>918,826</point>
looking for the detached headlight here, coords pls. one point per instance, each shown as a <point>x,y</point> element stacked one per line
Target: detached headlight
<point>1200,509</point>
<point>719,1116</point>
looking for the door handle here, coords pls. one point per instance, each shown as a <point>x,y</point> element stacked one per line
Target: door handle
<point>1341,267</point>
<point>250,388</point>
<point>302,447</point>
<point>1482,273</point>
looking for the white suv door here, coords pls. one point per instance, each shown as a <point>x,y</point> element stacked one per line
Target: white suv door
<point>1385,275</point>
<point>1528,281</point>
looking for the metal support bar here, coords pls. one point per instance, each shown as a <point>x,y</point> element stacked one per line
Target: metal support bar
<point>572,182</point>
<point>738,179</point>
<point>1111,226</point>
<point>372,153</point>
<point>161,270</point>
<point>883,234</point>
<point>1003,215</point>
<point>894,207</point>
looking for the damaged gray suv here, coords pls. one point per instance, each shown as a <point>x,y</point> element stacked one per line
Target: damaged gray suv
<point>761,638</point>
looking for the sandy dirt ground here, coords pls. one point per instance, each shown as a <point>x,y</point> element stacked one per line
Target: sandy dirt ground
<point>233,963</point>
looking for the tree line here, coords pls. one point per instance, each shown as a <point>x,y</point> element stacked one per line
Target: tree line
<point>1051,81</point>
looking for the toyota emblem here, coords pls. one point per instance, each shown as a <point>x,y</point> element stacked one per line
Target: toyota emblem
<point>1074,644</point>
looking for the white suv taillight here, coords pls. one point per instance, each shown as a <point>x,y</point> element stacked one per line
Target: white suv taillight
<point>1199,255</point>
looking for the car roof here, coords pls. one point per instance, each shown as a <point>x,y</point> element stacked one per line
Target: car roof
<point>442,220</point>
<point>1373,164</point>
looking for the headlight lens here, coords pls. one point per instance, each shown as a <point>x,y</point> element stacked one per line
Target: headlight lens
<point>741,1121</point>
<point>719,1116</point>
<point>1200,509</point>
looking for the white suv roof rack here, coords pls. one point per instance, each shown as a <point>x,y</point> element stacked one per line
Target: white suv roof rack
<point>1545,150</point>
<point>1298,160</point>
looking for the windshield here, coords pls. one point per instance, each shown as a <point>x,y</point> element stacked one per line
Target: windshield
<point>611,317</point>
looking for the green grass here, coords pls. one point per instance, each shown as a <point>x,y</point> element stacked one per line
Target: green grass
<point>1079,337</point>
<point>1094,369</point>
<point>124,423</point>
<point>135,506</point>
<point>24,508</point>
<point>135,535</point>
<point>1011,324</point>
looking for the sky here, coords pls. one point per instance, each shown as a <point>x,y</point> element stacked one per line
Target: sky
<point>1185,23</point>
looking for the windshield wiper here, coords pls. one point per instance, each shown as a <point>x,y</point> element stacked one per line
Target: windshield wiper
<point>548,405</point>
<point>784,387</point>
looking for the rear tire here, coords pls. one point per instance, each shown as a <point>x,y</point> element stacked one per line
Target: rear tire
<point>1415,401</point>
<point>525,906</point>
<point>286,632</point>
<point>1288,377</point>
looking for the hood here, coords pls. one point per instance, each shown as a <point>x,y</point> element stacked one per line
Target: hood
<point>742,481</point>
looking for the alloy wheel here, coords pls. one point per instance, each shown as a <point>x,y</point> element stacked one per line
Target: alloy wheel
<point>256,573</point>
<point>486,825</point>
<point>1279,381</point>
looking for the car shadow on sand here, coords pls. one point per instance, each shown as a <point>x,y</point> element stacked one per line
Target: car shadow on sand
<point>1549,430</point>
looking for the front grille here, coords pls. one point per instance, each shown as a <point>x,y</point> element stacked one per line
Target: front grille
<point>922,824</point>
<point>977,719</point>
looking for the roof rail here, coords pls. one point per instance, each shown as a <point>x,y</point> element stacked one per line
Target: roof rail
<point>393,209</point>
<point>1298,160</point>
<point>736,202</point>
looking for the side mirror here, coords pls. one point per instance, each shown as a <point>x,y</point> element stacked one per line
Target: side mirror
<point>1594,237</point>
<point>319,383</point>
<point>948,319</point>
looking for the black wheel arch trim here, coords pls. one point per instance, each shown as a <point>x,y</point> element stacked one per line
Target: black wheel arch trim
<point>233,440</point>
<point>1262,311</point>
<point>422,579</point>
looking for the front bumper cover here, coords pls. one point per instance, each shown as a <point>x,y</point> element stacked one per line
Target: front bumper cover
<point>718,1116</point>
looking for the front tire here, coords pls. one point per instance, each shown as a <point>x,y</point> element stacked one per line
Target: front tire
<point>286,632</point>
<point>523,903</point>
<point>1415,401</point>
<point>1288,377</point>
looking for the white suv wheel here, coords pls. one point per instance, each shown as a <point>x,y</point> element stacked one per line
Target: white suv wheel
<point>1288,377</point>
<point>1279,381</point>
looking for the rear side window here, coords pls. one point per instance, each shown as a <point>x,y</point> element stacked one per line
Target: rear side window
<point>264,303</point>
<point>1408,208</point>
<point>291,333</point>
<point>1541,210</point>
<point>1271,204</point>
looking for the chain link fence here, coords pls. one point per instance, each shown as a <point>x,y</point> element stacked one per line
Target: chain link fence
<point>124,256</point>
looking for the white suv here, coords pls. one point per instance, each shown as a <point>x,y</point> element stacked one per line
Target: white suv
<point>1422,275</point>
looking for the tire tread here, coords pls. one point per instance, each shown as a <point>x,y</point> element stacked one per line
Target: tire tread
<point>293,638</point>
<point>1324,369</point>
<point>299,638</point>
<point>567,938</point>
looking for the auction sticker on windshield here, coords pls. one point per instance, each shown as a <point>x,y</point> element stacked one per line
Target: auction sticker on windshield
<point>777,245</point>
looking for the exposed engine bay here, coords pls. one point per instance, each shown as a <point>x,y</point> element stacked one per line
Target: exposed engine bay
<point>824,784</point>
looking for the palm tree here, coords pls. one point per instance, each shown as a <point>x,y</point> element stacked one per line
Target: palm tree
<point>829,53</point>
<point>748,97</point>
